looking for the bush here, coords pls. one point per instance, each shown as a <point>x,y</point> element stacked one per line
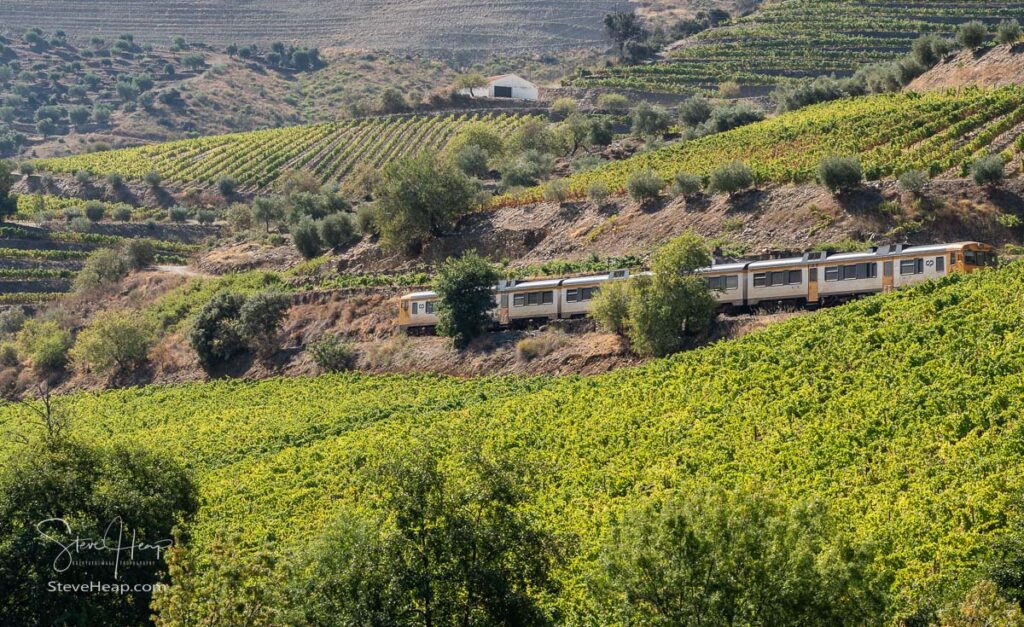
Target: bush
<point>598,193</point>
<point>227,186</point>
<point>464,287</point>
<point>1008,32</point>
<point>153,179</point>
<point>729,117</point>
<point>337,231</point>
<point>840,174</point>
<point>913,181</point>
<point>530,348</point>
<point>122,214</point>
<point>333,354</point>
<point>649,120</point>
<point>685,184</point>
<point>45,344</point>
<point>113,343</point>
<point>729,89</point>
<point>366,220</point>
<point>101,267</point>
<point>115,180</point>
<point>140,253</point>
<point>694,111</point>
<point>556,190</point>
<point>205,216</point>
<point>94,210</point>
<point>563,107</point>
<point>9,356</point>
<point>79,224</point>
<point>927,50</point>
<point>177,214</point>
<point>616,103</point>
<point>11,320</point>
<point>972,34</point>
<point>260,320</point>
<point>214,335</point>
<point>731,178</point>
<point>306,238</point>
<point>83,176</point>
<point>611,307</point>
<point>472,160</point>
<point>988,170</point>
<point>644,185</point>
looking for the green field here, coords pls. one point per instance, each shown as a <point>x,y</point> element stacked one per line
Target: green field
<point>903,412</point>
<point>797,38</point>
<point>330,152</point>
<point>890,133</point>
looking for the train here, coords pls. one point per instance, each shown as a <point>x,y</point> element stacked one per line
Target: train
<point>817,278</point>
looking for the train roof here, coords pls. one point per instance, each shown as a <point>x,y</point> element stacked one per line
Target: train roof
<point>419,295</point>
<point>775,263</point>
<point>534,285</point>
<point>726,267</point>
<point>581,280</point>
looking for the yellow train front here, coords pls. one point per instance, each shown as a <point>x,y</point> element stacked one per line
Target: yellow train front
<point>815,278</point>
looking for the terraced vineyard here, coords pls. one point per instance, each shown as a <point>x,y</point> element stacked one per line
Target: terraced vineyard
<point>257,159</point>
<point>901,412</point>
<point>795,38</point>
<point>891,133</point>
<point>37,264</point>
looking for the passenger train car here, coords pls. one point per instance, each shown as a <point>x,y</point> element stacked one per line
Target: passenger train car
<point>816,278</point>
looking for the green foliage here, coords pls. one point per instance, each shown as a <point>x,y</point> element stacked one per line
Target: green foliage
<point>616,103</point>
<point>227,186</point>
<point>177,214</point>
<point>556,190</point>
<point>260,319</point>
<point>694,111</point>
<point>45,344</point>
<point>611,307</point>
<point>11,320</point>
<point>306,238</point>
<point>102,267</point>
<point>464,288</point>
<point>972,34</point>
<point>988,170</point>
<point>153,179</point>
<point>719,558</point>
<point>1008,32</point>
<point>95,211</point>
<point>267,210</point>
<point>7,202</point>
<point>419,197</point>
<point>70,490</point>
<point>730,178</point>
<point>685,184</point>
<point>644,186</point>
<point>563,107</point>
<point>598,193</point>
<point>649,120</point>
<point>113,343</point>
<point>840,174</point>
<point>332,354</point>
<point>214,335</point>
<point>472,160</point>
<point>913,181</point>
<point>337,231</point>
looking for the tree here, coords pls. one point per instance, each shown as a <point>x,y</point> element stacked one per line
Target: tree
<point>649,120</point>
<point>840,174</point>
<point>392,101</point>
<point>153,179</point>
<point>139,253</point>
<point>8,202</point>
<point>611,307</point>
<point>102,267</point>
<point>1008,32</point>
<point>306,238</point>
<point>471,82</point>
<point>447,549</point>
<point>260,320</point>
<point>972,34</point>
<point>337,231</point>
<point>644,185</point>
<point>472,160</point>
<point>465,290</point>
<point>623,27</point>
<point>685,184</point>
<point>45,344</point>
<point>913,181</point>
<point>113,343</point>
<point>227,185</point>
<point>694,111</point>
<point>735,558</point>
<point>67,489</point>
<point>988,170</point>
<point>267,210</point>
<point>214,335</point>
<point>731,178</point>
<point>420,196</point>
<point>95,210</point>
<point>481,135</point>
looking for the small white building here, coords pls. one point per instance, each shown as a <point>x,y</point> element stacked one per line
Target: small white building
<point>505,86</point>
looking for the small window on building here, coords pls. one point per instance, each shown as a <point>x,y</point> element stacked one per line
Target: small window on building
<point>911,266</point>
<point>940,264</point>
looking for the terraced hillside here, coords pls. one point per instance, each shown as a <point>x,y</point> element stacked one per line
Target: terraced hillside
<point>378,24</point>
<point>795,38</point>
<point>256,159</point>
<point>39,264</point>
<point>901,412</point>
<point>891,133</point>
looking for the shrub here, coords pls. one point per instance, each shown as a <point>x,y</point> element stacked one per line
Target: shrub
<point>472,160</point>
<point>226,185</point>
<point>598,193</point>
<point>644,185</point>
<point>913,181</point>
<point>114,342</point>
<point>611,307</point>
<point>685,184</point>
<point>649,120</point>
<point>731,178</point>
<point>153,178</point>
<point>840,174</point>
<point>694,111</point>
<point>94,210</point>
<point>337,231</point>
<point>115,180</point>
<point>260,319</point>
<point>140,253</point>
<point>563,107</point>
<point>988,170</point>
<point>530,348</point>
<point>205,216</point>
<point>306,238</point>
<point>214,335</point>
<point>616,103</point>
<point>177,214</point>
<point>101,267</point>
<point>83,176</point>
<point>45,344</point>
<point>1008,32</point>
<point>9,356</point>
<point>465,297</point>
<point>731,116</point>
<point>729,89</point>
<point>26,168</point>
<point>972,34</point>
<point>333,354</point>
<point>11,320</point>
<point>267,210</point>
<point>122,214</point>
<point>366,220</point>
<point>556,190</point>
<point>927,50</point>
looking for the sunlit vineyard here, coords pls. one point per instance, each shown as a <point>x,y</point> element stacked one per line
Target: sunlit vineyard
<point>902,411</point>
<point>256,160</point>
<point>798,38</point>
<point>892,133</point>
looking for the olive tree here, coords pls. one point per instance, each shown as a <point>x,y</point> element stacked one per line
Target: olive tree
<point>465,290</point>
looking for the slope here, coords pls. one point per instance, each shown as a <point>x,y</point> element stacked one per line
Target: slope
<point>903,412</point>
<point>997,66</point>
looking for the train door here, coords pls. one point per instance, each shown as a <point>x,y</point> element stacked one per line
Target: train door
<point>887,276</point>
<point>503,309</point>
<point>812,285</point>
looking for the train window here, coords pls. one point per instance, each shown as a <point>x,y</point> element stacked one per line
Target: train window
<point>911,266</point>
<point>940,264</point>
<point>760,279</point>
<point>588,293</point>
<point>952,259</point>
<point>415,309</point>
<point>533,298</point>
<point>428,307</point>
<point>571,296</point>
<point>518,300</point>
<point>723,283</point>
<point>795,277</point>
<point>832,273</point>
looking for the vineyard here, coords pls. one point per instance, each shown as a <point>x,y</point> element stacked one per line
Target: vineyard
<point>892,133</point>
<point>797,38</point>
<point>903,412</point>
<point>257,159</point>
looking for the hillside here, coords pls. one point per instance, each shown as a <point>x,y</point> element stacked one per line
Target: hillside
<point>901,412</point>
<point>796,38</point>
<point>997,66</point>
<point>368,24</point>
